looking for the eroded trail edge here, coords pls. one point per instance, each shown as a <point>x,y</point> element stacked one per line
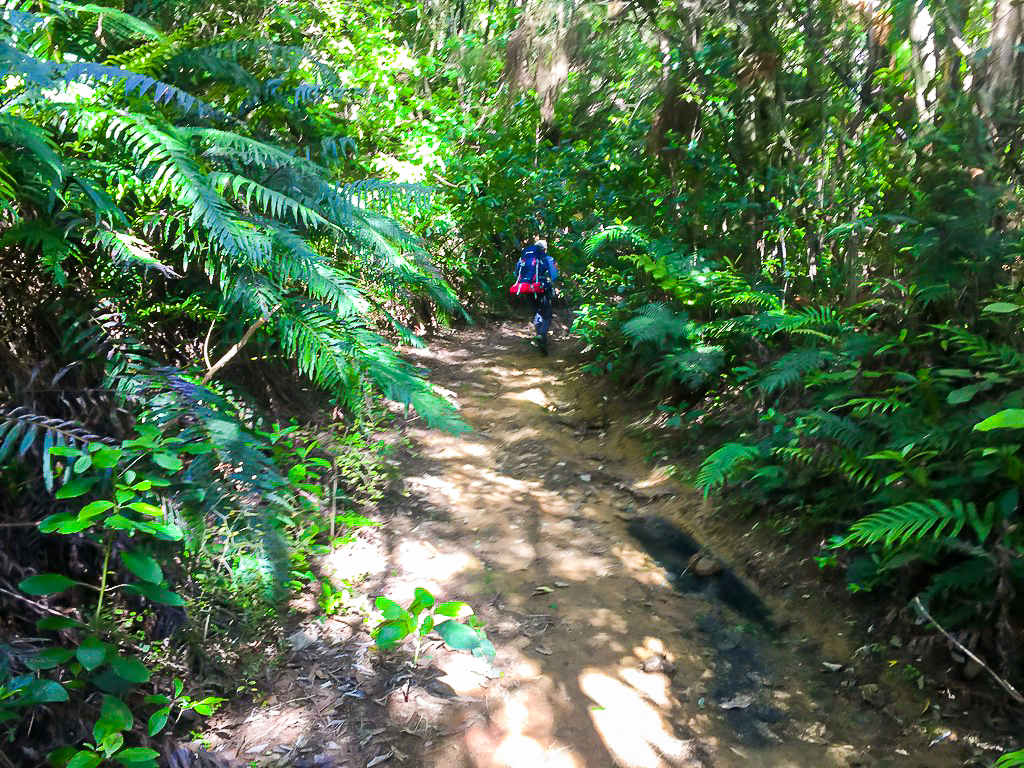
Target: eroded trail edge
<point>539,517</point>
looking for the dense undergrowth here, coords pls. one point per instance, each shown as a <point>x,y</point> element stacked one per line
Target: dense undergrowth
<point>794,226</point>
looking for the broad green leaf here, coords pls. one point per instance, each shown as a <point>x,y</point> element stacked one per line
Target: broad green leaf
<point>92,652</point>
<point>137,757</point>
<point>63,523</point>
<point>132,670</point>
<point>45,691</point>
<point>155,593</point>
<point>146,509</point>
<point>94,508</point>
<point>158,720</point>
<point>168,461</point>
<point>485,650</point>
<point>77,487</point>
<point>1011,418</point>
<point>208,706</point>
<point>65,451</point>
<point>122,523</point>
<point>58,623</point>
<point>390,609</point>
<point>143,566</point>
<point>110,743</point>
<point>422,599</point>
<point>59,758</point>
<point>1000,308</point>
<point>50,658</point>
<point>46,584</point>
<point>964,394</point>
<point>453,609</point>
<point>165,531</point>
<point>116,713</point>
<point>85,759</point>
<point>458,636</point>
<point>390,634</point>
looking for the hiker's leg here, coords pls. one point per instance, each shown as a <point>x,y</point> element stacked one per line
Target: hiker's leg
<point>537,304</point>
<point>545,313</point>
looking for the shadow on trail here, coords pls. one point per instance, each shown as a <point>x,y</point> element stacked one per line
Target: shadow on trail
<point>674,549</point>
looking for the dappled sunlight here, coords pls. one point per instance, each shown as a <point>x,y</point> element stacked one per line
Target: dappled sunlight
<point>521,730</point>
<point>635,730</point>
<point>533,395</point>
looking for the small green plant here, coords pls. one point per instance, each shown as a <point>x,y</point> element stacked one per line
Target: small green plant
<point>332,599</point>
<point>158,720</point>
<point>421,618</point>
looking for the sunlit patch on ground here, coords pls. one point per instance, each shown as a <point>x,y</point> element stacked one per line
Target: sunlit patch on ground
<point>633,727</point>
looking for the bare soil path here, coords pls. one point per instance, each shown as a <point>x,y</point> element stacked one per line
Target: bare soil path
<point>601,660</point>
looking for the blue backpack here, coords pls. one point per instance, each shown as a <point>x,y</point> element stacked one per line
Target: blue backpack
<point>533,274</point>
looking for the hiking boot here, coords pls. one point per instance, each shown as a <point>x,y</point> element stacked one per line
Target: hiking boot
<point>542,345</point>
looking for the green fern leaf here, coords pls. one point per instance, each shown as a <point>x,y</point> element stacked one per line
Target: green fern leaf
<point>914,521</point>
<point>719,465</point>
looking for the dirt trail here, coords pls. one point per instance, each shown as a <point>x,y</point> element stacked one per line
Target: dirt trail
<point>601,660</point>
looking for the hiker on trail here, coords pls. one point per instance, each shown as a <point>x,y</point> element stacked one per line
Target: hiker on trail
<point>536,273</point>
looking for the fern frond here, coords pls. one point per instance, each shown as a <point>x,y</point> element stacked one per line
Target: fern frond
<point>791,368</point>
<point>657,323</point>
<point>830,426</point>
<point>914,521</point>
<point>128,250</point>
<point>615,236</point>
<point>162,154</point>
<point>693,367</point>
<point>21,429</point>
<point>20,134</point>
<point>875,406</point>
<point>118,22</point>
<point>269,201</point>
<point>719,465</point>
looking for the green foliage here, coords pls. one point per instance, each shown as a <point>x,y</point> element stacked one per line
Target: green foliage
<point>453,621</point>
<point>1011,760</point>
<point>716,468</point>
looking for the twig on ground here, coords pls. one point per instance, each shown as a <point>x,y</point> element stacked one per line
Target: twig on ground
<point>1014,693</point>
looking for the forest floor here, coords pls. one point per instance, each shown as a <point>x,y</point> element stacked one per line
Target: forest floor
<point>603,659</point>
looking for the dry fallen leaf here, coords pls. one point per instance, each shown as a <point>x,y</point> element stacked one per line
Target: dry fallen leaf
<point>542,590</point>
<point>542,649</point>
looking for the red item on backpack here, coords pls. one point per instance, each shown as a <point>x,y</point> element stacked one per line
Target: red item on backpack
<point>523,287</point>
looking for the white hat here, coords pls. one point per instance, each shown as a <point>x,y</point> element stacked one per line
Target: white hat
<point>542,244</point>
